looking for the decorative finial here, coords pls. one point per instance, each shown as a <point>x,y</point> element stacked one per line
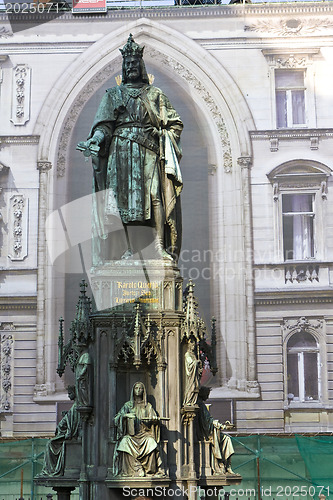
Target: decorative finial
<point>83,286</point>
<point>131,48</point>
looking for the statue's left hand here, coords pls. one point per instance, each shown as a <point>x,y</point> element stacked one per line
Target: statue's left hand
<point>88,148</point>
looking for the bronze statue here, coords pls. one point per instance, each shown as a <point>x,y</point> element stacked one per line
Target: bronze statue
<point>83,378</point>
<point>211,430</point>
<point>68,428</point>
<point>134,143</point>
<point>138,436</point>
<point>193,373</point>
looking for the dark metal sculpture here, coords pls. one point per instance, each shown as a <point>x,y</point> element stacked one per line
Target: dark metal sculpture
<point>135,149</point>
<point>211,429</point>
<point>138,436</point>
<point>68,428</point>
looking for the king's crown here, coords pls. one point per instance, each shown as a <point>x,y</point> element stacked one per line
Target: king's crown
<point>131,48</point>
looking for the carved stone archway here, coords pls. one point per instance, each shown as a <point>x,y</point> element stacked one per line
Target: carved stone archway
<point>227,119</point>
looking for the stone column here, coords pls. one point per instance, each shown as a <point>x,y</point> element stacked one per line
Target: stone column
<point>189,414</point>
<point>245,163</point>
<point>41,383</point>
<point>3,58</point>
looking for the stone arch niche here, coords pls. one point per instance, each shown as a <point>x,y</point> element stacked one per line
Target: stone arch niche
<point>224,120</point>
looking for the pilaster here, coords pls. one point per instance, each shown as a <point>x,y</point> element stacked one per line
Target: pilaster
<point>245,163</point>
<point>42,387</point>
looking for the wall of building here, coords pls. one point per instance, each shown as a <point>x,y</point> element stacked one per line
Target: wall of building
<point>223,61</point>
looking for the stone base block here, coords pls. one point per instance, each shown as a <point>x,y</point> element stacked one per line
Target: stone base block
<point>156,284</point>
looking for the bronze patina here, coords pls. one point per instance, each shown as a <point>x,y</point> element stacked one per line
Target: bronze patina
<point>135,150</point>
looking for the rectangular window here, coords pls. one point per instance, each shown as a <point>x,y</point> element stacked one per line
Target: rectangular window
<point>311,378</point>
<point>298,221</point>
<point>302,373</point>
<point>293,381</point>
<point>290,98</point>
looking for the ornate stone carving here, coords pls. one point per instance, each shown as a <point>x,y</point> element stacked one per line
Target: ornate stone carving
<point>5,33</point>
<point>295,301</point>
<point>19,139</point>
<point>274,144</point>
<point>7,327</point>
<point>21,94</point>
<point>6,357</point>
<point>44,166</point>
<point>103,75</point>
<point>212,169</point>
<point>290,27</point>
<point>302,324</point>
<point>244,161</point>
<point>76,109</point>
<point>140,340</point>
<point>40,390</point>
<point>291,62</point>
<point>323,189</point>
<point>18,227</point>
<point>314,143</point>
<point>301,272</point>
<point>205,95</point>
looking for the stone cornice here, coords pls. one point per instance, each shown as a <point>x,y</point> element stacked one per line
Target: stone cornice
<point>18,303</point>
<point>229,11</point>
<point>299,297</point>
<point>19,139</point>
<point>295,51</point>
<point>47,47</point>
<point>274,136</point>
<point>292,133</point>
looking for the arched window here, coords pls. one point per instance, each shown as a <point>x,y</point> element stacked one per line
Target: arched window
<point>303,368</point>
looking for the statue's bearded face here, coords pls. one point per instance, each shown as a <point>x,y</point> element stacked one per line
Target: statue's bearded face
<point>132,69</point>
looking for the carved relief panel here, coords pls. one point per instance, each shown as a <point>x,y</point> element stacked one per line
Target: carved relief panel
<point>20,112</point>
<point>6,366</point>
<point>18,227</point>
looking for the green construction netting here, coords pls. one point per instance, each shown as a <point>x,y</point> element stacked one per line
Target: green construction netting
<point>22,460</point>
<point>317,453</point>
<point>292,468</point>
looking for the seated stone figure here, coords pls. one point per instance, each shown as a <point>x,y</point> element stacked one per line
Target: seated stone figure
<point>211,430</point>
<point>138,436</point>
<point>68,428</point>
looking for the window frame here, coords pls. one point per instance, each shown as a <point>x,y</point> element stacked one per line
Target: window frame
<point>315,326</point>
<point>289,214</point>
<point>300,177</point>
<point>302,372</point>
<point>302,59</point>
<point>288,100</point>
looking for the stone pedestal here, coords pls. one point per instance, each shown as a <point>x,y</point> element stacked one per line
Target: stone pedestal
<point>139,329</point>
<point>156,284</point>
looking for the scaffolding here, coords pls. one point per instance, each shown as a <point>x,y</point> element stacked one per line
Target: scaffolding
<point>279,467</point>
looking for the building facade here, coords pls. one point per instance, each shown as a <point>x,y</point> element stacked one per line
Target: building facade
<point>252,85</point>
